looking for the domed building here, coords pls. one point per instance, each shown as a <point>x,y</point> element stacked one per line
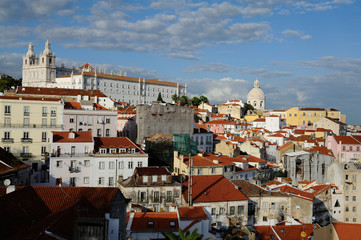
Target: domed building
<point>256,97</point>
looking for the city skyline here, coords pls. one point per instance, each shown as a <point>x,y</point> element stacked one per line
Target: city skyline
<point>303,53</point>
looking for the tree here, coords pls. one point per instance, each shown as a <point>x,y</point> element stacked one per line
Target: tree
<point>196,101</point>
<point>159,98</point>
<point>8,82</point>
<point>175,98</point>
<point>184,236</point>
<point>185,100</point>
<point>203,99</point>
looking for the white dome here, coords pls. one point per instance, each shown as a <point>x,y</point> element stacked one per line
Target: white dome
<point>256,97</point>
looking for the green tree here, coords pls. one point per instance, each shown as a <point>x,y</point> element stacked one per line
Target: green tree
<point>8,82</point>
<point>196,101</point>
<point>185,100</point>
<point>185,236</point>
<point>203,99</point>
<point>159,98</point>
<point>175,98</point>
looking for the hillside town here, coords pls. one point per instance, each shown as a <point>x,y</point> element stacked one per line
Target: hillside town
<point>91,154</point>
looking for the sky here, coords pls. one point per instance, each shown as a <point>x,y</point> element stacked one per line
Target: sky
<point>304,53</point>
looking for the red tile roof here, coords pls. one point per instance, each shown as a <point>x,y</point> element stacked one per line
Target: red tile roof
<point>260,120</point>
<point>9,163</point>
<point>72,105</point>
<point>214,188</point>
<point>312,109</point>
<point>59,91</point>
<point>255,159</point>
<point>124,78</point>
<point>97,106</point>
<point>114,142</point>
<point>158,170</point>
<point>208,160</point>
<point>284,232</point>
<point>285,145</point>
<point>346,140</point>
<point>191,213</point>
<point>321,149</point>
<point>161,221</point>
<point>296,192</point>
<point>346,231</point>
<point>80,136</point>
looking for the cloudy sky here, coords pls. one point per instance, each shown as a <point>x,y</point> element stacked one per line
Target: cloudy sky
<point>304,53</point>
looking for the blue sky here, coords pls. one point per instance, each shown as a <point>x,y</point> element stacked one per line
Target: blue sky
<point>304,53</point>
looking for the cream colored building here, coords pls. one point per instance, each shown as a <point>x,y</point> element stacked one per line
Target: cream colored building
<point>25,126</point>
<point>233,108</point>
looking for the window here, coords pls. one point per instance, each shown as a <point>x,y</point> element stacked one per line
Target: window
<point>111,181</point>
<point>140,164</point>
<point>43,150</point>
<point>346,198</point>
<point>145,179</point>
<point>353,209</point>
<point>101,181</point>
<point>265,205</point>
<point>53,112</point>
<point>213,211</point>
<point>346,209</point>
<point>314,114</point>
<point>304,114</point>
<point>295,114</point>
<point>107,120</point>
<point>298,207</point>
<point>164,178</point>
<point>232,210</point>
<point>7,122</point>
<point>43,122</point>
<point>43,136</point>
<point>264,219</point>
<point>156,196</point>
<point>221,210</point>
<point>213,170</point>
<point>45,111</point>
<point>99,132</point>
<point>7,110</point>
<point>86,180</point>
<point>90,120</point>
<point>150,224</point>
<point>7,149</point>
<point>346,176</point>
<point>26,111</point>
<point>71,119</point>
<point>354,187</point>
<point>6,135</point>
<point>172,223</point>
<point>86,163</point>
<point>130,165</point>
<point>121,165</point>
<point>169,196</point>
<point>72,182</point>
<point>103,150</point>
<point>111,165</point>
<point>26,122</point>
<point>101,165</point>
<point>25,135</point>
<point>52,122</point>
<point>273,205</point>
<point>240,209</point>
<point>199,171</point>
<point>353,219</point>
<point>347,219</point>
<point>154,178</point>
<point>59,164</point>
<point>354,198</point>
<point>107,132</point>
<point>354,177</point>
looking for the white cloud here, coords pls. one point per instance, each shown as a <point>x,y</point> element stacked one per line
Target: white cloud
<point>295,34</point>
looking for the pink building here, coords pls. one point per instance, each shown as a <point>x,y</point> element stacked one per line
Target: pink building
<point>345,148</point>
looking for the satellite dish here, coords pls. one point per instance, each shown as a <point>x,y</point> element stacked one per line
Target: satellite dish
<point>7,182</point>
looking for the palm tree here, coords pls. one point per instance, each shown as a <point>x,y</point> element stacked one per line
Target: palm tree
<point>185,236</point>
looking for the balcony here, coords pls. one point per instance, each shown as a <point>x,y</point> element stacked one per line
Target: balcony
<point>25,154</point>
<point>8,140</point>
<point>26,114</point>
<point>27,140</point>
<point>45,114</point>
<point>74,169</point>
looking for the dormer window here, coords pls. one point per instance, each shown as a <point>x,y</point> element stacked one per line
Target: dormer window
<point>71,135</point>
<point>103,150</point>
<point>154,178</point>
<point>113,150</point>
<point>123,150</point>
<point>145,179</point>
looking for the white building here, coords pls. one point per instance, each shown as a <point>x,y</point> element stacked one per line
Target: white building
<point>78,159</point>
<point>256,97</point>
<point>41,71</point>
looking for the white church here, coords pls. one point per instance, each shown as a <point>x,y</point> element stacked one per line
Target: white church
<point>256,97</point>
<point>41,71</point>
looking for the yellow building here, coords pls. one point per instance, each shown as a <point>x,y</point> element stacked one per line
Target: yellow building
<point>304,116</point>
<point>25,126</point>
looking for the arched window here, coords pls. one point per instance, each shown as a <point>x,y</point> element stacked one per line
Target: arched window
<point>255,103</point>
<point>26,61</point>
<point>261,103</point>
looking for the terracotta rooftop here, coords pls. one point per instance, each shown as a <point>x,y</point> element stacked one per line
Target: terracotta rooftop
<point>209,160</point>
<point>22,98</point>
<point>9,163</point>
<point>252,190</point>
<point>154,221</point>
<point>284,232</point>
<point>214,188</point>
<point>346,231</point>
<point>191,213</point>
<point>30,211</point>
<point>321,149</point>
<point>296,192</point>
<point>151,171</point>
<point>79,136</point>
<point>59,91</point>
<point>114,142</point>
<point>346,140</point>
<point>125,78</point>
<point>312,109</point>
